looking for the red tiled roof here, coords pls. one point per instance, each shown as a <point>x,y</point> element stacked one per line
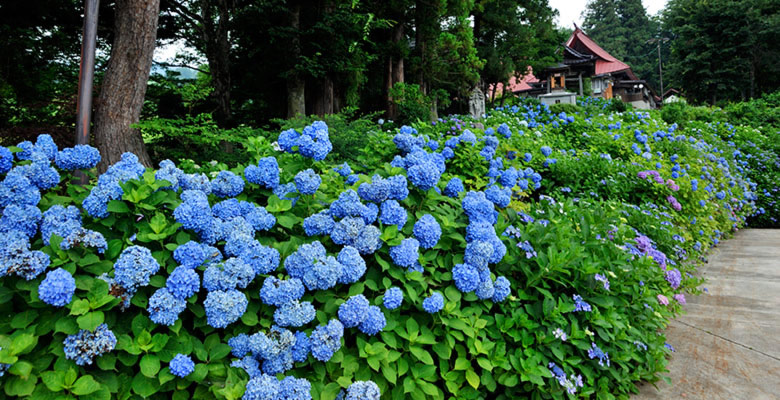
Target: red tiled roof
<point>606,63</point>
<point>515,85</point>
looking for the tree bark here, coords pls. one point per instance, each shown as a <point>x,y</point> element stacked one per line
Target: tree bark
<point>218,55</point>
<point>124,84</point>
<point>323,103</point>
<point>296,86</point>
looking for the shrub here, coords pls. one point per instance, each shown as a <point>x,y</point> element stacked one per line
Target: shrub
<point>529,288</point>
<point>565,108</point>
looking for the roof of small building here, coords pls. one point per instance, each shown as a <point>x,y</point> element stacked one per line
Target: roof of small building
<point>515,84</point>
<point>605,62</point>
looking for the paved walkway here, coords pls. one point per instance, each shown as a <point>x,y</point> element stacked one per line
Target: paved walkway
<point>728,343</point>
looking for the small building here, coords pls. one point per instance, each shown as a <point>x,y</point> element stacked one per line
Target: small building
<point>609,77</point>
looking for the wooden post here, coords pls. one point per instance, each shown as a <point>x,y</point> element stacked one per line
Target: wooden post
<point>579,77</point>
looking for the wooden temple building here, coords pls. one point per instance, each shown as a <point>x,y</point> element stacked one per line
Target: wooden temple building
<point>583,58</point>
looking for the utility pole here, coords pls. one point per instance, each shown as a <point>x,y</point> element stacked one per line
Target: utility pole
<point>87,71</point>
<point>86,76</point>
<point>660,69</point>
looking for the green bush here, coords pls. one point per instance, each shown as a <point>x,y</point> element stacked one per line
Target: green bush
<point>569,109</point>
<point>578,225</point>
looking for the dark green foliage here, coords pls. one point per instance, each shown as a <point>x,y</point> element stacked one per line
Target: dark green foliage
<point>724,49</point>
<point>569,109</point>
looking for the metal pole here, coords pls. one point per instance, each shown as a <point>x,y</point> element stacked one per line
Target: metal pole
<point>87,71</point>
<point>661,73</point>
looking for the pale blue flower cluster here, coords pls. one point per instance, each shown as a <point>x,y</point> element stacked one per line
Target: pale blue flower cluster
<point>434,303</point>
<point>181,365</point>
<point>134,268</point>
<point>108,188</point>
<point>223,307</point>
<point>84,346</point>
<point>313,142</point>
<point>363,390</point>
<point>265,173</point>
<point>393,298</point>
<point>57,288</point>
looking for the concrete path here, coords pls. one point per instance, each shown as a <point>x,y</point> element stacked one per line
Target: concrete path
<point>728,343</point>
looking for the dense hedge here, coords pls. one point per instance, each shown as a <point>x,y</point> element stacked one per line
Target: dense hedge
<point>525,254</point>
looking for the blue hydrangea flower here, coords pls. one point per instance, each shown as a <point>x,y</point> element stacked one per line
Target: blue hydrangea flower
<point>393,214</point>
<point>447,153</point>
<point>277,292</point>
<point>466,277</point>
<point>230,274</point>
<point>84,346</point>
<point>303,258</point>
<point>353,265</point>
<point>17,189</point>
<point>193,254</point>
<point>546,151</point>
<point>326,340</point>
<point>393,298</point>
<point>353,311</point>
<point>57,288</point>
<point>307,181</point>
<point>22,218</point>
<point>369,240</point>
<point>596,352</point>
<point>323,274</point>
<point>580,305</point>
<point>363,390</point>
<point>399,188</point>
<point>45,145</point>
<point>504,131</point>
<point>369,213</point>
<point>373,322</point>
<point>82,156</point>
<point>424,175</point>
<point>527,157</point>
<point>265,173</point>
<point>501,197</point>
<point>508,177</point>
<point>263,387</point>
<point>427,231</point>
<point>478,253</point>
<point>314,142</point>
<point>377,191</point>
<point>479,208</point>
<point>454,187</point>
<point>224,307</point>
<point>318,224</point>
<point>292,388</point>
<point>134,267</point>
<point>347,231</point>
<point>434,303</point>
<point>406,253</point>
<point>181,365</point>
<point>85,238</point>
<point>502,289</point>
<point>344,170</point>
<point>164,308</point>
<point>170,173</point>
<point>468,137</point>
<point>295,313</point>
<point>59,221</point>
<point>6,160</point>
<point>195,182</point>
<point>194,212</point>
<point>183,282</point>
<point>302,347</point>
<point>485,289</point>
<point>347,205</point>
<point>227,184</point>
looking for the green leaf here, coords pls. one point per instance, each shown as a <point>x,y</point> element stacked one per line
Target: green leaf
<point>79,307</point>
<point>144,386</point>
<point>150,365</point>
<point>412,326</point>
<point>118,207</point>
<point>54,380</point>
<point>421,355</point>
<point>85,385</point>
<point>21,369</point>
<point>16,386</point>
<point>23,343</point>
<point>90,321</point>
<point>287,221</point>
<point>472,378</point>
<point>462,364</point>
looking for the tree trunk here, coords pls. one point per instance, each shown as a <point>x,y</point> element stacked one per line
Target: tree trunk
<point>124,84</point>
<point>323,103</point>
<point>390,105</point>
<point>296,86</point>
<point>218,55</point>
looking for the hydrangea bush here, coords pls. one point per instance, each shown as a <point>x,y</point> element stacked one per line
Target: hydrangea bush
<point>525,254</point>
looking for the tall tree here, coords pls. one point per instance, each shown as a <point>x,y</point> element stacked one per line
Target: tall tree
<point>724,49</point>
<point>207,28</point>
<point>512,35</point>
<point>623,28</point>
<point>124,84</point>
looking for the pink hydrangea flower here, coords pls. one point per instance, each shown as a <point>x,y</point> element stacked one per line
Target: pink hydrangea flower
<point>663,300</point>
<point>680,298</point>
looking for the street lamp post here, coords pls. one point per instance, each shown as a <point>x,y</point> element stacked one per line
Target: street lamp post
<point>86,71</point>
